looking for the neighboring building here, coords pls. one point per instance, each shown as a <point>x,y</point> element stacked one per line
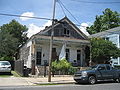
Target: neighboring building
<point>38,46</point>
<point>112,35</point>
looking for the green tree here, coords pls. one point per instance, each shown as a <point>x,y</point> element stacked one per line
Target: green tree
<point>102,50</point>
<point>8,45</point>
<point>12,35</point>
<point>17,30</point>
<point>108,20</point>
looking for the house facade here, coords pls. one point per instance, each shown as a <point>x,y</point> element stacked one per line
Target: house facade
<point>65,32</point>
<point>112,35</point>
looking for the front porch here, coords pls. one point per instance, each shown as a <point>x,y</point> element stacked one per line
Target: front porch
<point>75,50</point>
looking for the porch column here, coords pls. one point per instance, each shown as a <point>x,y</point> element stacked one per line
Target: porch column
<point>81,57</point>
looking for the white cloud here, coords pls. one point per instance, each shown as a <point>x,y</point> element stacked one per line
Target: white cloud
<point>47,24</point>
<point>33,29</point>
<point>83,28</point>
<point>29,14</point>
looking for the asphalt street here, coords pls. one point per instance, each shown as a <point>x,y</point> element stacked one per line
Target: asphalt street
<point>99,86</point>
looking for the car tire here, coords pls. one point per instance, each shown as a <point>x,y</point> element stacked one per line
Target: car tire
<point>92,79</point>
<point>116,80</point>
<point>9,73</point>
<point>119,79</point>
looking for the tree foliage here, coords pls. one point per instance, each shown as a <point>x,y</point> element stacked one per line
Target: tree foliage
<point>102,50</point>
<point>108,20</point>
<point>12,35</point>
<point>7,44</point>
<point>16,30</point>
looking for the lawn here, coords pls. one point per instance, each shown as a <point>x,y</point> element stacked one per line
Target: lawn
<point>13,73</point>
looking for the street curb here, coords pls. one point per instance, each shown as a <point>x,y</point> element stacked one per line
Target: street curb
<point>50,83</point>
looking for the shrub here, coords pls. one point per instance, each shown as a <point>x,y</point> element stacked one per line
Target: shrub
<point>117,66</point>
<point>6,58</point>
<point>63,66</point>
<point>72,70</point>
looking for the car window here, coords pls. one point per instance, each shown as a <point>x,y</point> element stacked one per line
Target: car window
<point>92,67</point>
<point>108,67</point>
<point>101,67</point>
<point>4,63</point>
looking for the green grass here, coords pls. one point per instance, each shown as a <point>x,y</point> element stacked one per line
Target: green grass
<point>5,75</point>
<point>13,73</point>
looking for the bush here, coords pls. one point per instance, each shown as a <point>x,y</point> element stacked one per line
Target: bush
<point>6,58</point>
<point>117,66</point>
<point>72,70</point>
<point>63,66</point>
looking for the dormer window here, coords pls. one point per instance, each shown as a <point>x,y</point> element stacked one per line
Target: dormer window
<point>66,32</point>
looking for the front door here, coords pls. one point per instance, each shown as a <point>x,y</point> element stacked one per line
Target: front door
<point>54,54</point>
<point>38,56</point>
<point>79,57</point>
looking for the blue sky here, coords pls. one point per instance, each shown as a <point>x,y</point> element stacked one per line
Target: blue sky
<point>84,12</point>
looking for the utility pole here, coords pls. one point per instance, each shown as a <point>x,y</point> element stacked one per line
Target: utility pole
<point>51,43</point>
<point>90,62</point>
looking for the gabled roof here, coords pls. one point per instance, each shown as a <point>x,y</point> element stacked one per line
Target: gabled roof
<point>69,22</point>
<point>115,30</point>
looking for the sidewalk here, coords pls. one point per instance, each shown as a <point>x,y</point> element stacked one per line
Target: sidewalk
<point>54,80</point>
<point>23,81</point>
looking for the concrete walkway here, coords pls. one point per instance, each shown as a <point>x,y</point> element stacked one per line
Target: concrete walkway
<point>12,81</point>
<point>23,81</point>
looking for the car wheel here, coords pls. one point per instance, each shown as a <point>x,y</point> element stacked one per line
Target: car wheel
<point>116,80</point>
<point>92,80</point>
<point>9,73</point>
<point>119,79</point>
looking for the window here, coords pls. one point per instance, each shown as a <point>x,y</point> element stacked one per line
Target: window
<point>101,67</point>
<point>38,55</point>
<point>78,55</point>
<point>53,49</point>
<point>103,38</point>
<point>66,32</point>
<point>38,58</point>
<point>107,38</point>
<point>67,54</point>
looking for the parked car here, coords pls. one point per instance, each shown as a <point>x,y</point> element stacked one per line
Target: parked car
<point>5,66</point>
<point>96,73</point>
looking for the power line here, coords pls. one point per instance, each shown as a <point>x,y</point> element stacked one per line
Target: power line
<point>4,14</point>
<point>68,11</point>
<point>62,9</point>
<point>96,2</point>
<point>28,17</point>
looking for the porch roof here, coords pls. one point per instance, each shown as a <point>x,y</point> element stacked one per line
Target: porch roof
<point>62,39</point>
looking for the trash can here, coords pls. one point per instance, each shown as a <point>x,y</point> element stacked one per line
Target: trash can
<point>26,72</point>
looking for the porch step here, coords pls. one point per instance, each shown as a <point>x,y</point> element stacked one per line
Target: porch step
<point>41,70</point>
